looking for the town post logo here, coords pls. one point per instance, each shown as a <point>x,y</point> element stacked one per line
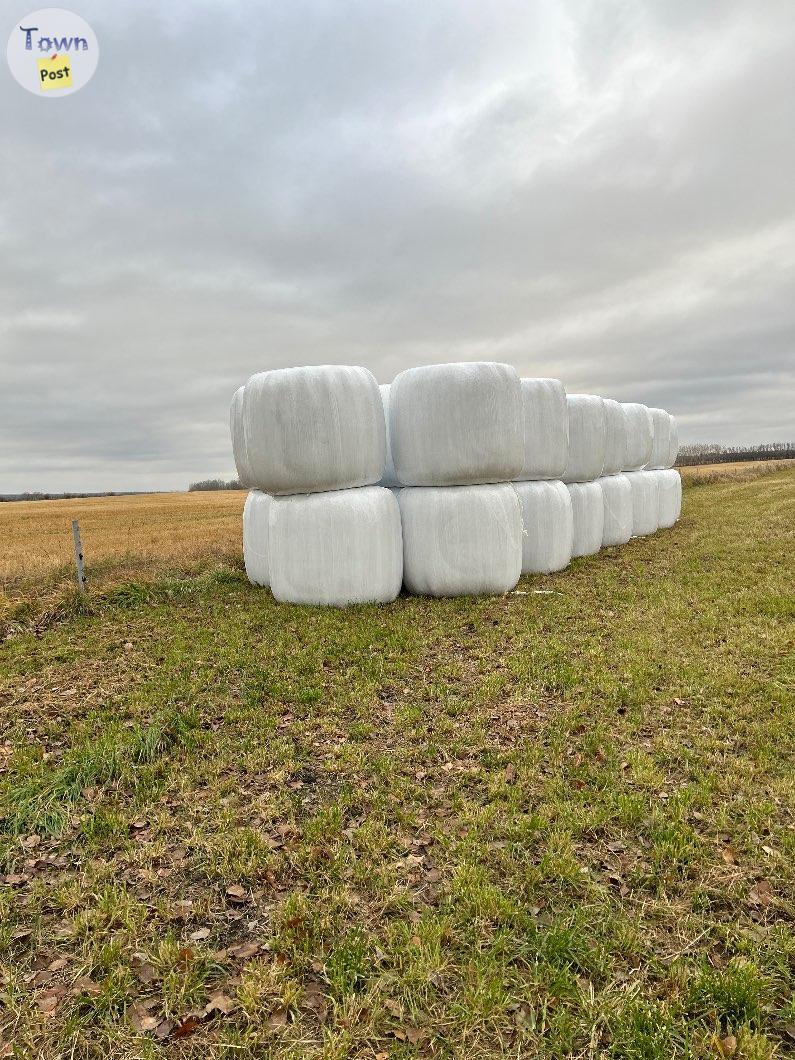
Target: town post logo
<point>52,52</point>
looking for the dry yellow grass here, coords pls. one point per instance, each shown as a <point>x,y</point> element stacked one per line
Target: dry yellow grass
<point>123,537</point>
<point>743,470</point>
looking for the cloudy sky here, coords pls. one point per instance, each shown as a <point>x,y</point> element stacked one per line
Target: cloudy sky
<point>599,190</point>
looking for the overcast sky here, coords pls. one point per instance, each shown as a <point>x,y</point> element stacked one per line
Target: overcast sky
<point>597,190</point>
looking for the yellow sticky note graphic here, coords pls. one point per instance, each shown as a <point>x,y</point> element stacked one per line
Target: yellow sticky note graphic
<point>55,72</point>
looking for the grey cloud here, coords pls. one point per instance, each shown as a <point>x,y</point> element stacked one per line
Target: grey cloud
<point>597,190</point>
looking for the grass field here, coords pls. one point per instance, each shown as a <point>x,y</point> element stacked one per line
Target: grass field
<point>558,823</point>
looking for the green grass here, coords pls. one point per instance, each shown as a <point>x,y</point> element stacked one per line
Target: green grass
<point>532,826</point>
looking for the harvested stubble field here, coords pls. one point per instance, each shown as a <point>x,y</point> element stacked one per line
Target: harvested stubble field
<point>554,824</point>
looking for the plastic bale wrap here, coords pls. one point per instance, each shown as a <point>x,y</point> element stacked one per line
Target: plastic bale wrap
<point>669,497</point>
<point>639,435</point>
<point>546,429</point>
<point>673,443</point>
<point>456,424</point>
<point>617,498</point>
<point>587,438</point>
<point>588,517</point>
<point>337,548</point>
<point>644,502</point>
<point>661,440</point>
<point>547,526</point>
<point>239,438</point>
<point>389,477</point>
<point>313,429</point>
<point>256,513</point>
<point>615,437</point>
<point>461,540</point>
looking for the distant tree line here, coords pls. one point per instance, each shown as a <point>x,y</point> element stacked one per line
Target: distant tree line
<point>215,484</point>
<point>38,496</point>
<point>707,453</point>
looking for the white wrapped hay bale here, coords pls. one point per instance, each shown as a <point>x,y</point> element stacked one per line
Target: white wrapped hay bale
<point>639,435</point>
<point>615,437</point>
<point>389,478</point>
<point>256,513</point>
<point>546,429</point>
<point>547,525</point>
<point>587,438</point>
<point>673,443</point>
<point>239,438</point>
<point>588,516</point>
<point>313,429</point>
<point>644,502</point>
<point>337,548</point>
<point>461,540</point>
<point>617,500</point>
<point>669,497</point>
<point>456,424</point>
<point>661,440</point>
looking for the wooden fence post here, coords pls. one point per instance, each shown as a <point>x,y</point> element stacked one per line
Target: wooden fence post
<point>81,574</point>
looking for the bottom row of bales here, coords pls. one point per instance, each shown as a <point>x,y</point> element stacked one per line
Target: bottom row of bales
<point>362,545</point>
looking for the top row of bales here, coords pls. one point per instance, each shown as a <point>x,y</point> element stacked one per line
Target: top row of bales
<point>330,427</point>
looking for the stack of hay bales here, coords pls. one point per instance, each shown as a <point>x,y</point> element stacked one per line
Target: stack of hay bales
<point>546,503</point>
<point>640,439</point>
<point>664,449</point>
<point>311,444</point>
<point>453,480</point>
<point>587,448</point>
<point>614,484</point>
<point>652,446</point>
<point>456,438</point>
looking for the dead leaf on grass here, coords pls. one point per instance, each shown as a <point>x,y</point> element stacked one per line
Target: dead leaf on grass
<point>142,1022</point>
<point>86,985</point>
<point>146,972</point>
<point>244,951</point>
<point>219,1003</point>
<point>184,957</point>
<point>315,1000</point>
<point>186,1027</point>
<point>278,1019</point>
<point>47,1001</point>
<point>414,1035</point>
<point>761,894</point>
